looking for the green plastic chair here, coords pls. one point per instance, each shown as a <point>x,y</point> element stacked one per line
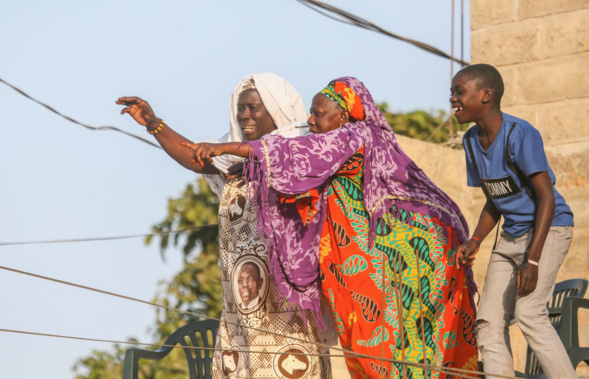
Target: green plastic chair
<point>569,329</point>
<point>566,292</point>
<point>194,334</point>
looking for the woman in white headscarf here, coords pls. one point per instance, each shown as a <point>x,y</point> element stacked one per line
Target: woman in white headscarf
<point>261,104</point>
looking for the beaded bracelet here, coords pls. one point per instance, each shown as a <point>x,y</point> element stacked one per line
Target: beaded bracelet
<point>476,239</point>
<point>159,128</point>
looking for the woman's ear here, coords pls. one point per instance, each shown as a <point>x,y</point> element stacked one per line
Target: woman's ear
<point>344,117</point>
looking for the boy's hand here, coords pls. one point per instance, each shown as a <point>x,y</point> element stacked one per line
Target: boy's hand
<point>527,278</point>
<point>465,253</point>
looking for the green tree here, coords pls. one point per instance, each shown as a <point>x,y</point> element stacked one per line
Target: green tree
<point>196,289</point>
<point>421,124</point>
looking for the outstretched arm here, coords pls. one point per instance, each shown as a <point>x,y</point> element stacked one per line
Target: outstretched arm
<point>467,250</point>
<point>203,152</point>
<point>169,140</point>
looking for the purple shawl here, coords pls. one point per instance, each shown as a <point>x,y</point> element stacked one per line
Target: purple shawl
<point>296,165</point>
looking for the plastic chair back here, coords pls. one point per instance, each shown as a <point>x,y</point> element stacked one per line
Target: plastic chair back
<point>562,290</point>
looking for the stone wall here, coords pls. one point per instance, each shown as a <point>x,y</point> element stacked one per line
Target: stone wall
<point>541,48</point>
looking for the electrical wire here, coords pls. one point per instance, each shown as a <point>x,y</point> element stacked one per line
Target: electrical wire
<point>106,238</point>
<point>114,128</point>
<point>352,19</point>
<point>448,370</point>
<point>444,370</point>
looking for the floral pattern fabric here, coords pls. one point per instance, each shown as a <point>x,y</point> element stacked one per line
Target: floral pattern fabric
<point>404,298</point>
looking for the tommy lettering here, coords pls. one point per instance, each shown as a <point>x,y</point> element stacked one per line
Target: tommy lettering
<point>500,188</point>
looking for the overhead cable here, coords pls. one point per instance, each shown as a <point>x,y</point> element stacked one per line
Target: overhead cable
<point>114,128</point>
<point>107,238</point>
<point>352,19</point>
<point>447,370</point>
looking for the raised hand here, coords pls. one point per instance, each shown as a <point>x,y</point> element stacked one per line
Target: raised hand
<point>140,110</point>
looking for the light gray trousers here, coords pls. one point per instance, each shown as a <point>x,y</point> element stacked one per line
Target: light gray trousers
<point>500,304</point>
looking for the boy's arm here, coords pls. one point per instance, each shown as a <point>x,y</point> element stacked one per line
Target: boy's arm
<point>528,273</point>
<point>487,221</point>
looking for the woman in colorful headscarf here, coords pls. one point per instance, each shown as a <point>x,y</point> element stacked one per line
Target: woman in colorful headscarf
<point>348,208</point>
<point>257,336</point>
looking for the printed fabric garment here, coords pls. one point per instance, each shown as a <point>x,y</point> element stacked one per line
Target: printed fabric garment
<point>252,341</point>
<point>410,267</point>
<point>296,165</point>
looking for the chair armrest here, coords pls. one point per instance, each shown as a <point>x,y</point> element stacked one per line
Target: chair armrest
<point>133,355</point>
<point>569,326</point>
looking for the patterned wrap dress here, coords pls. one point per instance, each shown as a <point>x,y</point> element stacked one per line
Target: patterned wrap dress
<point>244,348</point>
<point>376,236</point>
<point>410,268</point>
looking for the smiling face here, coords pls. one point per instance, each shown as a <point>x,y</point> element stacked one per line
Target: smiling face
<point>468,102</point>
<point>249,282</point>
<point>326,115</point>
<point>252,116</point>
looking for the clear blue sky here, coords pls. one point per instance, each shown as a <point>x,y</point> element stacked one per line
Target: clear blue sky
<point>62,181</point>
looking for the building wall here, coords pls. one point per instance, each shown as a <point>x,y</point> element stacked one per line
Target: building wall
<point>541,48</point>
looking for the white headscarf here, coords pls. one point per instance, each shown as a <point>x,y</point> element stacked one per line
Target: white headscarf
<point>285,106</point>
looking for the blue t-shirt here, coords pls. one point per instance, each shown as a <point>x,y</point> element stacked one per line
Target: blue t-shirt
<point>503,186</point>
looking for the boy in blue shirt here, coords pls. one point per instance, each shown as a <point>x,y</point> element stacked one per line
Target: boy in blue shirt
<point>505,156</point>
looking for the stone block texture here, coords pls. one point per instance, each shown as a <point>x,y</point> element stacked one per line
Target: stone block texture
<point>541,48</point>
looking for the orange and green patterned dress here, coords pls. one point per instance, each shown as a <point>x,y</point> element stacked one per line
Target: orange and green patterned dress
<point>402,300</point>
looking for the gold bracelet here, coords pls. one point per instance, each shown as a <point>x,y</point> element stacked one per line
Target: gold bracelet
<point>159,128</point>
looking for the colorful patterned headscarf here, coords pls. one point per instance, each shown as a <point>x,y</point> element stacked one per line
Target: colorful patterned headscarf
<point>346,98</point>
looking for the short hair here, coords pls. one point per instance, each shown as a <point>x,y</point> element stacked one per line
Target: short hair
<point>486,76</point>
<point>255,266</point>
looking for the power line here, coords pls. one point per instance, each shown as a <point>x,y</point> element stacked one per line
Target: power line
<point>114,128</point>
<point>352,19</point>
<point>447,370</point>
<point>444,370</point>
<point>106,238</point>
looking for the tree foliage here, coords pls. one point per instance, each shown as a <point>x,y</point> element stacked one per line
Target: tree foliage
<point>421,124</point>
<point>196,289</point>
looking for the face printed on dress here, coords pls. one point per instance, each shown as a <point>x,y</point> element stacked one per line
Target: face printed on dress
<point>249,282</point>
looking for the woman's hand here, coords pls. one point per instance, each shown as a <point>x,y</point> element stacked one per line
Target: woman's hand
<point>465,253</point>
<point>527,279</point>
<point>203,152</point>
<point>235,170</point>
<point>140,110</point>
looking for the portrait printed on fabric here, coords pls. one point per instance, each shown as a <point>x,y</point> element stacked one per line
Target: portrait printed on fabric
<point>292,363</point>
<point>250,283</point>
